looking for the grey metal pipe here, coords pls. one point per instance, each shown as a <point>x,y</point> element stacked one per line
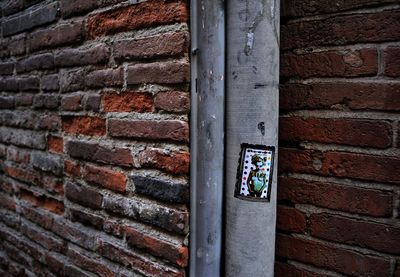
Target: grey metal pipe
<point>207,136</point>
<point>251,118</point>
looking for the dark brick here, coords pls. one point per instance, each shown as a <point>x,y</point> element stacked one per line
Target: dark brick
<point>171,72</point>
<point>17,45</point>
<point>339,95</point>
<point>76,7</point>
<point>392,61</point>
<point>331,257</point>
<point>142,15</point>
<point>43,238</point>
<point>37,62</point>
<point>84,196</point>
<point>290,220</point>
<point>72,80</point>
<point>6,68</point>
<point>157,215</point>
<point>6,102</point>
<point>172,101</point>
<point>59,35</point>
<point>341,164</point>
<point>161,189</point>
<point>43,101</point>
<point>72,102</point>
<point>30,18</point>
<point>362,62</point>
<point>118,254</point>
<point>72,271</point>
<point>356,232</point>
<point>47,163</point>
<point>303,8</point>
<point>29,84</point>
<point>74,233</point>
<point>50,83</point>
<point>149,129</point>
<point>24,100</point>
<point>93,102</point>
<point>93,54</point>
<point>23,138</point>
<point>97,153</point>
<point>365,201</point>
<point>289,270</point>
<point>86,218</point>
<point>337,131</point>
<point>343,29</point>
<point>104,78</point>
<point>11,6</point>
<point>171,44</point>
<point>50,122</point>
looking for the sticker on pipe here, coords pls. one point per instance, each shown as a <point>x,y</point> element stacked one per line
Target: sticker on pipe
<point>254,176</point>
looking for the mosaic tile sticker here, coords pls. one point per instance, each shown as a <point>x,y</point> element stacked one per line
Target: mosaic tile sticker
<point>254,176</point>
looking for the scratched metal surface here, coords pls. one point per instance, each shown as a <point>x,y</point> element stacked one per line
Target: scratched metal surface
<point>207,136</point>
<point>252,117</point>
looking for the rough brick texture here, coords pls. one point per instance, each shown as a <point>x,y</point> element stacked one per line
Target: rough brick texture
<point>82,193</point>
<point>339,163</point>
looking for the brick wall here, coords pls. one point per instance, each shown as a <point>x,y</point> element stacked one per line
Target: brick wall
<point>94,138</point>
<point>339,192</point>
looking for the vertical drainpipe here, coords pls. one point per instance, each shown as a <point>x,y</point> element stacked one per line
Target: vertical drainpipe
<point>251,117</point>
<point>207,136</point>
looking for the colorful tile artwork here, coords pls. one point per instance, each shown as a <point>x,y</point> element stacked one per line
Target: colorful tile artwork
<point>255,173</point>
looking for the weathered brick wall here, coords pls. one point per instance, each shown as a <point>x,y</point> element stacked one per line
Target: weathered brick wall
<point>339,159</point>
<point>94,138</point>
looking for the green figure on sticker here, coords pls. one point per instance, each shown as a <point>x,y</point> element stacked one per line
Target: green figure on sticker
<point>257,180</point>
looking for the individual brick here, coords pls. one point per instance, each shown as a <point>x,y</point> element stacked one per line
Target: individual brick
<point>7,102</point>
<point>149,129</point>
<point>164,190</point>
<point>42,237</point>
<point>337,131</point>
<point>9,84</point>
<point>341,164</point>
<point>84,196</point>
<point>6,68</point>
<point>77,7</point>
<point>30,84</point>
<point>72,80</point>
<point>290,220</point>
<point>30,18</point>
<point>98,153</point>
<point>347,230</point>
<point>342,30</point>
<point>22,175</point>
<point>177,254</point>
<point>172,101</point>
<point>55,144</point>
<point>72,102</point>
<point>171,161</point>
<point>44,101</point>
<point>104,78</point>
<point>363,62</point>
<point>47,163</point>
<point>23,138</point>
<point>392,61</point>
<point>345,198</point>
<point>72,168</point>
<point>154,214</point>
<point>129,101</point>
<point>95,54</point>
<point>36,62</point>
<point>129,259</point>
<point>18,155</point>
<point>74,233</point>
<point>51,122</point>
<point>340,95</point>
<point>50,83</point>
<point>335,258</point>
<point>284,269</point>
<point>171,44</point>
<point>85,125</point>
<point>42,201</point>
<point>17,45</point>
<point>23,100</point>
<point>105,177</point>
<point>93,102</point>
<point>61,34</point>
<point>139,16</point>
<point>86,218</point>
<point>11,6</point>
<point>170,72</point>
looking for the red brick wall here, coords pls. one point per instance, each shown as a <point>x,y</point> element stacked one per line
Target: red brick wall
<point>339,190</point>
<point>94,138</point>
